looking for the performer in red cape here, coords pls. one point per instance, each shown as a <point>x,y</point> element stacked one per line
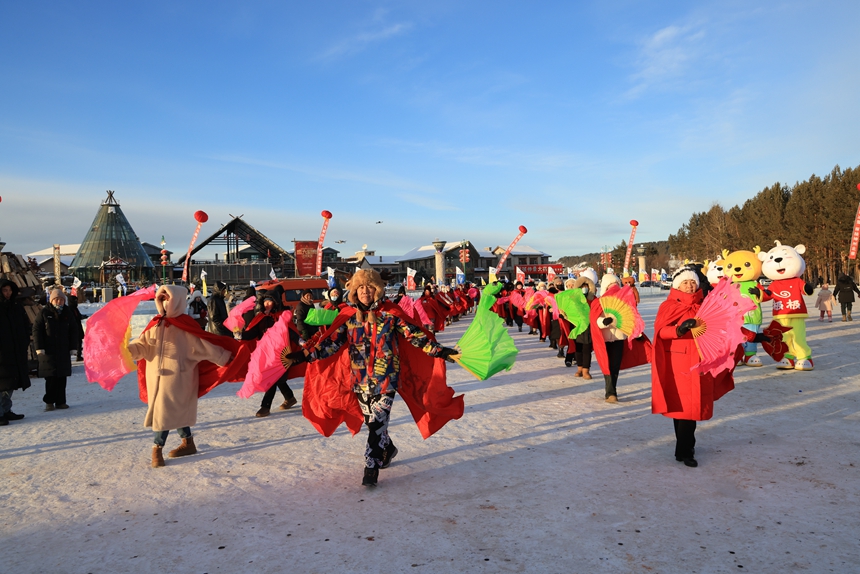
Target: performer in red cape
<point>268,312</point>
<point>433,309</point>
<point>178,362</point>
<point>677,390</point>
<point>614,352</point>
<point>368,353</point>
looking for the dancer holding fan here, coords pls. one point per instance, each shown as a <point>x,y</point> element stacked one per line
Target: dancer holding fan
<point>696,346</point>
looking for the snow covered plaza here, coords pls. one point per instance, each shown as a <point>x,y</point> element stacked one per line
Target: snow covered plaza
<point>540,475</point>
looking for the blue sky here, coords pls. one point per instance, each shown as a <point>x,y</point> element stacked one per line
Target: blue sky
<point>449,119</point>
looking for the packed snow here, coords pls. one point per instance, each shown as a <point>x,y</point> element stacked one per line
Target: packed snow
<point>540,475</point>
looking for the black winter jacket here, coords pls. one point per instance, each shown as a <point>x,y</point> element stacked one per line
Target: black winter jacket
<point>217,315</point>
<point>845,289</point>
<point>58,334</point>
<point>14,342</point>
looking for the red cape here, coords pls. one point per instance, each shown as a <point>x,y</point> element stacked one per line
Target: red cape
<point>637,354</point>
<point>328,399</point>
<point>210,374</point>
<point>434,312</point>
<point>676,391</point>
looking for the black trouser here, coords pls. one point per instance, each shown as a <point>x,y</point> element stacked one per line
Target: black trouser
<point>518,319</point>
<point>377,412</point>
<point>583,355</point>
<point>614,352</point>
<point>55,391</point>
<point>685,438</point>
<point>281,385</point>
<point>554,333</point>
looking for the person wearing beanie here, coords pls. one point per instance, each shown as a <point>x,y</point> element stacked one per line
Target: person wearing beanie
<point>56,334</point>
<point>679,391</point>
<point>335,299</point>
<point>306,303</point>
<point>218,310</point>
<point>378,349</point>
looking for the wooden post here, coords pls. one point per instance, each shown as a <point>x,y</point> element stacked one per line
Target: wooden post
<point>57,271</point>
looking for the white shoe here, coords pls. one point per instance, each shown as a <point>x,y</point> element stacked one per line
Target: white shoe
<point>785,364</point>
<point>803,365</point>
<point>753,361</point>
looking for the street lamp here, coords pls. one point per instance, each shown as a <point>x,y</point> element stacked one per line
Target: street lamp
<point>163,262</point>
<point>439,245</point>
<point>641,251</point>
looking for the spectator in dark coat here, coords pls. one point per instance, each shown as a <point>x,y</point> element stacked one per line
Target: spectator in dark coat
<point>844,293</point>
<point>14,341</point>
<point>218,310</point>
<point>305,305</point>
<point>56,334</point>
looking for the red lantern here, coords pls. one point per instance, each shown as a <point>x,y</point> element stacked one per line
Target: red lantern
<point>326,214</point>
<point>858,186</point>
<point>634,223</point>
<point>523,229</point>
<point>201,217</point>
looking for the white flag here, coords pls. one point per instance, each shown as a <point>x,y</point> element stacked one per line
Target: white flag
<point>120,279</point>
<point>272,274</point>
<point>76,283</point>
<point>203,274</point>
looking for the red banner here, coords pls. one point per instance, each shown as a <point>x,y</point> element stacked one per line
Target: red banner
<point>410,279</point>
<point>630,245</point>
<point>521,277</point>
<point>188,256</point>
<point>550,273</point>
<point>306,258</point>
<point>855,237</point>
<point>541,269</point>
<point>326,218</point>
<point>501,264</point>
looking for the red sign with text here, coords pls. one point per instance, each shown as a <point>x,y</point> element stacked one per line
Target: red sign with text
<point>306,258</point>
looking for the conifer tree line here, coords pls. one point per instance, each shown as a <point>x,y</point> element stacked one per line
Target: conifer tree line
<point>818,213</point>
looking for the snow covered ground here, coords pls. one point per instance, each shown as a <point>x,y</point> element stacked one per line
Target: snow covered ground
<point>540,475</point>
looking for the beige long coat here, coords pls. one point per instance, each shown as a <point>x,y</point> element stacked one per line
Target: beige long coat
<point>172,356</point>
<point>825,300</point>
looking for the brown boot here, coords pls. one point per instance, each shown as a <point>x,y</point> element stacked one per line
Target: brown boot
<point>586,374</point>
<point>157,457</point>
<point>185,448</point>
<point>578,372</point>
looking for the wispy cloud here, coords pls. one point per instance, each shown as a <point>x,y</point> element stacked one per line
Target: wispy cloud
<point>665,56</point>
<point>495,156</point>
<point>359,42</point>
<point>381,179</point>
<point>429,202</point>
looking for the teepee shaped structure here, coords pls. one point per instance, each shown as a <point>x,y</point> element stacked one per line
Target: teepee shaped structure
<point>111,247</point>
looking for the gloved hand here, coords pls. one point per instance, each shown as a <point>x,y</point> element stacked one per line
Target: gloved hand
<point>290,359</point>
<point>685,327</point>
<point>754,291</point>
<point>607,321</point>
<point>446,353</point>
<point>761,338</point>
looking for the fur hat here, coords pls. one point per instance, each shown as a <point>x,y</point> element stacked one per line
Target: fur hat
<point>683,274</point>
<point>365,277</point>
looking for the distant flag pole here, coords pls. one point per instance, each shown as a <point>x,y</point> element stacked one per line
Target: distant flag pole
<point>634,224</point>
<point>201,218</point>
<point>326,218</point>
<point>855,236</point>
<point>500,266</point>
